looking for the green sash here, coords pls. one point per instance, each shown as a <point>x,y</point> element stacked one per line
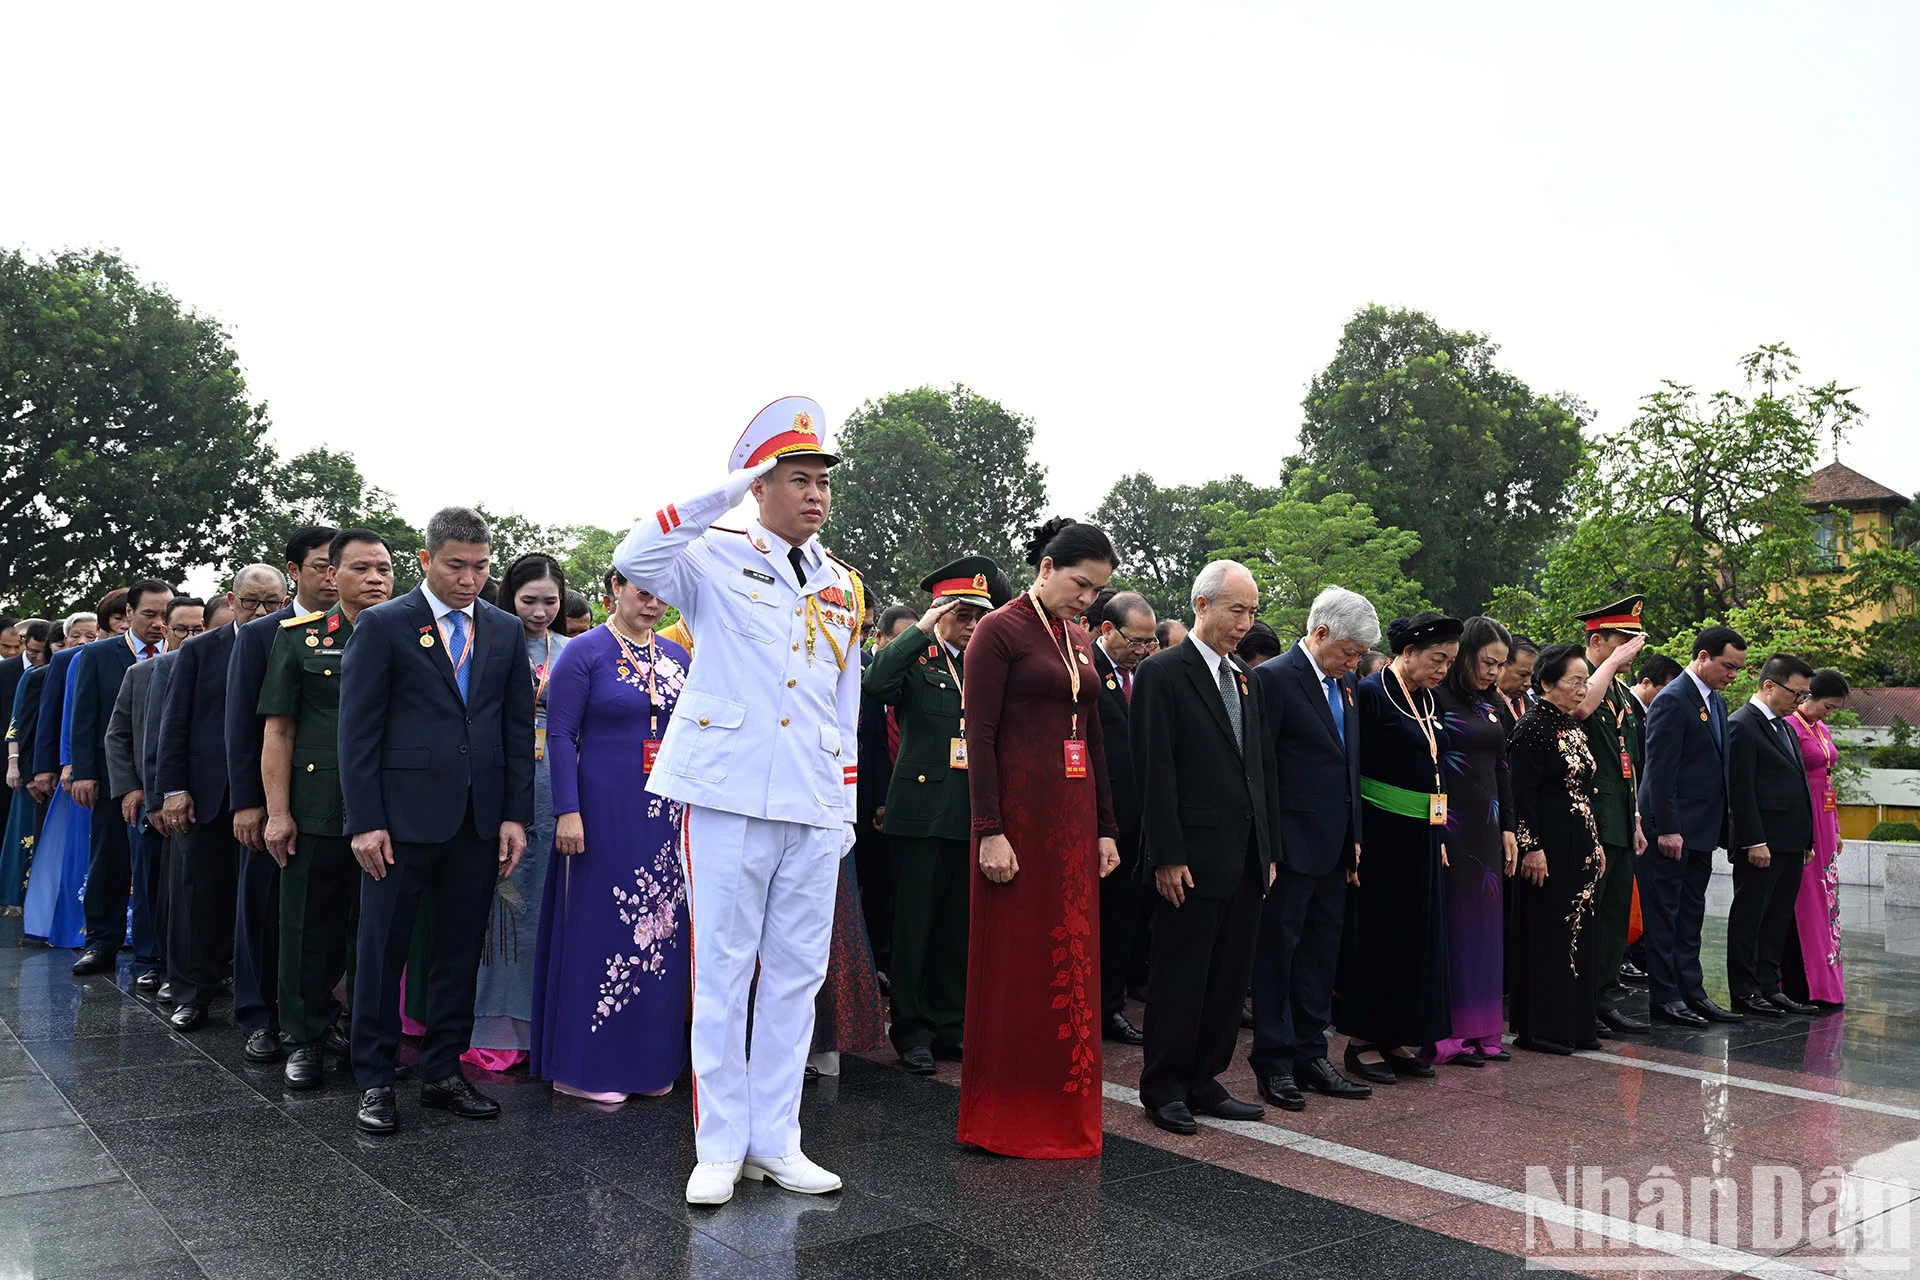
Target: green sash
<point>1384,795</point>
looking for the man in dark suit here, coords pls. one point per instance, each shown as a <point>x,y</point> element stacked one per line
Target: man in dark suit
<point>1684,790</point>
<point>436,772</point>
<point>1772,827</point>
<point>258,613</point>
<point>96,684</point>
<point>49,760</point>
<point>1126,635</point>
<point>203,860</point>
<point>872,849</point>
<point>1208,795</point>
<point>1307,697</point>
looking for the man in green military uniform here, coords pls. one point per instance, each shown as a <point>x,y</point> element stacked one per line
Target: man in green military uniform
<point>299,764</point>
<point>1616,731</point>
<point>928,813</point>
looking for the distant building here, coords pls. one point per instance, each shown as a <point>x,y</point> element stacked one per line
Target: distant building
<point>1853,514</point>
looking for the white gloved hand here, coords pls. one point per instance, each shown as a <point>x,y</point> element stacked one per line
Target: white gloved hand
<point>738,482</point>
<point>847,841</point>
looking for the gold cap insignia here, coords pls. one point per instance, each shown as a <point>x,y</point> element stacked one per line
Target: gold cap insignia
<point>1636,608</point>
<point>979,582</point>
<point>803,423</point>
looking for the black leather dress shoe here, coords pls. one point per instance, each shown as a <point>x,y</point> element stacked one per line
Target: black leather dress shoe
<point>1632,975</point>
<point>378,1112</point>
<point>186,1017</point>
<point>1496,1055</point>
<point>1781,1000</point>
<point>337,1042</point>
<point>148,982</point>
<point>948,1052</point>
<point>164,993</point>
<point>1320,1076</point>
<point>305,1067</point>
<point>1624,1023</point>
<point>1553,1047</point>
<point>1283,1093</point>
<point>263,1046</point>
<point>918,1060</point>
<point>456,1095</point>
<point>1371,1072</point>
<point>1470,1058</point>
<point>1408,1068</point>
<point>1119,1030</point>
<point>1758,1006</point>
<point>1174,1118</point>
<point>1712,1012</point>
<point>93,960</point>
<point>1677,1014</point>
<point>1231,1109</point>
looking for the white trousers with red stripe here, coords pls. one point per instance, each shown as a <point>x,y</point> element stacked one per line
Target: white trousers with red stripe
<point>756,890</point>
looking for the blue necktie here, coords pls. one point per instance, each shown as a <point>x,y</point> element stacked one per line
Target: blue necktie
<point>1333,701</point>
<point>457,647</point>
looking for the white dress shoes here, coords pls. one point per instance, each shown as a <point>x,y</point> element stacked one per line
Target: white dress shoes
<point>712,1182</point>
<point>794,1172</point>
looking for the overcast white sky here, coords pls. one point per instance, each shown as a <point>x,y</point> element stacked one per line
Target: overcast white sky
<point>552,258</point>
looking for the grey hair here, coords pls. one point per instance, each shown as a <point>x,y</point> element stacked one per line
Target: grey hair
<point>457,524</point>
<point>260,573</point>
<point>74,619</point>
<point>1213,577</point>
<point>1346,615</point>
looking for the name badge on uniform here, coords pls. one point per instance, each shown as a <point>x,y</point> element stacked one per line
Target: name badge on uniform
<point>1076,758</point>
<point>1437,810</point>
<point>956,753</point>
<point>757,576</point>
<point>649,752</point>
<point>1626,765</point>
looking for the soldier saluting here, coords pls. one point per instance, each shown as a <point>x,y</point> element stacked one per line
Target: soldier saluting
<point>761,751</point>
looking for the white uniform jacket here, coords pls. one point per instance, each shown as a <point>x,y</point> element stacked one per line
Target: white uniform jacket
<point>765,726</point>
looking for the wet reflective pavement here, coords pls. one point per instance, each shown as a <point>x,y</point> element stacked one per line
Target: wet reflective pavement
<point>128,1150</point>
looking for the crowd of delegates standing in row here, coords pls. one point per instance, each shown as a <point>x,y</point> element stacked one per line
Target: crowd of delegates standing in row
<point>1055,815</point>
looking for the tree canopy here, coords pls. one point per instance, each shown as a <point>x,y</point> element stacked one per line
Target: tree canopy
<point>1295,549</point>
<point>926,476</point>
<point>1163,534</point>
<point>1419,423</point>
<point>131,445</point>
<point>322,487</point>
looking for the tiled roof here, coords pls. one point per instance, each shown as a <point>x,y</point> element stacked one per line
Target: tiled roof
<point>1843,486</point>
<point>1877,707</point>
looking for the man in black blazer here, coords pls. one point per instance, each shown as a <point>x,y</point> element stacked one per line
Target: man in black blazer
<point>1126,635</point>
<point>1684,789</point>
<point>1772,827</point>
<point>96,684</point>
<point>1307,696</point>
<point>1208,794</point>
<point>258,612</point>
<point>436,771</point>
<point>203,861</point>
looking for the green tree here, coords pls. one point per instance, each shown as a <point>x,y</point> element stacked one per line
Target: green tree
<point>322,487</point>
<point>131,447</point>
<point>1163,535</point>
<point>585,554</point>
<point>928,475</point>
<point>1420,424</point>
<point>1296,548</point>
<point>1696,504</point>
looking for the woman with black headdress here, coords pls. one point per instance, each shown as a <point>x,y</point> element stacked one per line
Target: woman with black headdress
<point>1392,992</point>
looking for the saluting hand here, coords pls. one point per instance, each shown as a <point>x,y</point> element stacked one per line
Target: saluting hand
<point>933,615</point>
<point>513,843</point>
<point>373,850</point>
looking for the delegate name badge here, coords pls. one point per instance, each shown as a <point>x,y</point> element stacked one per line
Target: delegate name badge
<point>649,752</point>
<point>539,742</point>
<point>956,753</point>
<point>1436,811</point>
<point>1626,765</point>
<point>1076,758</point>
<point>1830,802</point>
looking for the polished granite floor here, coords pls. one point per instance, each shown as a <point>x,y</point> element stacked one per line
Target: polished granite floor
<point>127,1150</point>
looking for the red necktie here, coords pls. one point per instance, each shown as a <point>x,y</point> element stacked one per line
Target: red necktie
<point>146,651</point>
<point>1126,686</point>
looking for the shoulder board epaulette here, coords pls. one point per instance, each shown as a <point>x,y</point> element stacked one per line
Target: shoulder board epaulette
<point>303,619</point>
<point>842,563</point>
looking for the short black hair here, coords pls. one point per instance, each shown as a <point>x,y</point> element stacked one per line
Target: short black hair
<point>144,587</point>
<point>1067,541</point>
<point>1123,605</point>
<point>1259,644</point>
<point>1828,683</point>
<point>1554,660</point>
<point>8,620</point>
<point>1659,670</point>
<point>1518,644</point>
<point>305,539</point>
<point>490,591</point>
<point>184,602</point>
<point>577,606</point>
<point>1714,641</point>
<point>338,544</point>
<point>56,633</point>
<point>1164,628</point>
<point>457,524</point>
<point>1782,667</point>
<point>895,614</point>
<point>38,630</point>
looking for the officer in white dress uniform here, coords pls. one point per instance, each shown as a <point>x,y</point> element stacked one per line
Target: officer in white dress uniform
<point>761,751</point>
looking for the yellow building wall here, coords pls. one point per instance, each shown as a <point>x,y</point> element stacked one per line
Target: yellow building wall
<point>1869,529</point>
<point>1856,820</point>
